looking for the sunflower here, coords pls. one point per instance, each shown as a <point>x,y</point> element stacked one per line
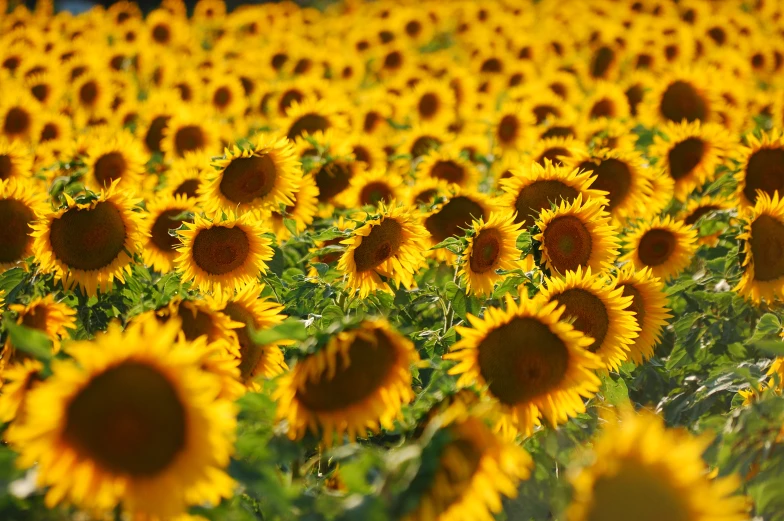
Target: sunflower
<point>18,115</point>
<point>681,95</point>
<point>225,94</point>
<point>492,246</point>
<point>15,160</point>
<point>644,471</point>
<point>164,214</point>
<point>45,87</point>
<point>690,153</point>
<point>556,150</point>
<point>222,253</point>
<point>762,167</point>
<point>649,304</point>
<point>186,176</point>
<point>531,362</point>
<point>622,173</point>
<point>577,234</point>
<point>309,117</point>
<point>45,315</point>
<point>599,310</point>
<point>422,138</point>
<point>390,244</point>
<point>132,419</point>
<point>18,379</point>
<point>115,158</point>
<point>91,92</point>
<point>366,149</point>
<point>20,203</point>
<point>606,101</point>
<point>303,210</point>
<point>763,244</point>
<point>371,188</point>
<point>475,467</point>
<point>188,131</point>
<point>664,245</point>
<point>448,164</point>
<point>253,179</point>
<point>453,216</point>
<point>534,187</point>
<point>54,127</point>
<point>430,102</point>
<point>698,207</point>
<point>89,242</point>
<point>252,311</point>
<point>354,385</point>
<point>424,192</point>
<point>512,124</point>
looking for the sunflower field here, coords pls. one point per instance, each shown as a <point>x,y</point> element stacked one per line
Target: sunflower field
<point>392,260</point>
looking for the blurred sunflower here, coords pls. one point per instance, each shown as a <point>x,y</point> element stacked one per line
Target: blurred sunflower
<point>492,246</point>
<point>454,215</point>
<point>606,101</point>
<point>642,470</point>
<point>664,245</point>
<point>577,234</point>
<point>512,125</point>
<point>430,102</point>
<point>189,131</point>
<point>303,210</point>
<point>704,206</point>
<point>763,244</point>
<point>18,379</point>
<point>649,304</point>
<point>43,314</point>
<point>186,176</point>
<point>114,158</point>
<point>89,242</point>
<point>54,127</point>
<point>475,467</point>
<point>252,311</point>
<point>354,385</point>
<point>371,188</point>
<point>534,187</point>
<point>390,244</point>
<point>684,94</point>
<point>20,206</point>
<point>422,138</point>
<point>690,153</point>
<point>19,113</point>
<point>15,160</point>
<point>761,167</point>
<point>164,215</point>
<point>529,360</point>
<point>448,164</point>
<point>253,179</point>
<point>556,150</point>
<point>425,192</point>
<point>599,310</point>
<point>222,253</point>
<point>133,419</point>
<point>306,118</point>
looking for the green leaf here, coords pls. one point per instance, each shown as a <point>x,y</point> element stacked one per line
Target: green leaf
<point>768,325</point>
<point>331,313</point>
<point>291,225</point>
<point>615,391</point>
<point>774,347</point>
<point>31,341</point>
<point>289,329</point>
<point>446,243</point>
<point>524,242</point>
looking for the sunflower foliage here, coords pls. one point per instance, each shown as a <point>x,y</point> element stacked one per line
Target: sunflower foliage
<point>392,261</point>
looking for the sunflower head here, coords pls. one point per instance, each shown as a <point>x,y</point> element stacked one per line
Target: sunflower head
<point>529,360</point>
<point>20,204</point>
<point>763,250</point>
<point>452,216</point>
<point>761,167</point>
<point>492,246</point>
<point>164,215</point>
<point>354,385</point>
<point>115,157</point>
<point>42,314</point>
<point>664,245</point>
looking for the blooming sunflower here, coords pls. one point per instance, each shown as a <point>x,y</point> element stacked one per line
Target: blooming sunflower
<point>424,192</point>
<point>54,127</point>
<point>164,214</point>
<point>15,160</point>
<point>186,176</point>
<point>531,362</point>
<point>577,234</point>
<point>622,173</point>
<point>250,310</point>
<point>492,246</point>
<point>454,216</point>
<point>644,471</point>
<point>762,167</point>
<point>664,245</point>
<point>188,131</point>
<point>132,419</point>
<point>355,384</point>
<point>302,211</point>
<point>448,164</point>
<point>89,242</point>
<point>512,124</point>
<point>649,304</point>
<point>599,310</point>
<point>18,115</point>
<point>690,153</point>
<point>114,157</point>
<point>45,315</point>
<point>371,188</point>
<point>225,94</point>
<point>222,253</point>
<point>606,101</point>
<point>556,150</point>
<point>422,138</point>
<point>255,179</point>
<point>684,94</point>
<point>699,207</point>
<point>18,379</point>
<point>20,203</point>
<point>534,187</point>
<point>311,116</point>
<point>391,244</point>
<point>763,244</point>
<point>475,468</point>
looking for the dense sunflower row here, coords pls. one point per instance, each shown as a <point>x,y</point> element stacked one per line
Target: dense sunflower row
<point>443,229</point>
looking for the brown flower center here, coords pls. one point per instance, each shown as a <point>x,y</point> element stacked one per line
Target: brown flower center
<point>486,250</point>
<point>428,106</point>
<point>589,314</point>
<point>109,167</point>
<point>16,218</point>
<point>682,101</point>
<point>765,172</point>
<point>508,129</point>
<point>614,177</point>
<point>602,61</point>
<point>374,193</point>
<point>366,366</point>
<point>88,238</point>
<point>522,360</point>
<point>161,33</point>
<point>128,419</point>
<point>154,134</point>
<point>6,167</point>
<point>553,154</point>
<point>603,108</point>
<point>568,243</point>
<point>189,138</point>
<point>220,249</point>
<point>539,195</point>
<point>332,179</point>
<point>767,248</point>
<point>248,178</point>
<point>383,242</point>
<point>307,124</point>
<point>448,171</point>
<point>160,230</point>
<point>453,218</point>
<point>685,156</point>
<point>17,122</point>
<point>656,247</point>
